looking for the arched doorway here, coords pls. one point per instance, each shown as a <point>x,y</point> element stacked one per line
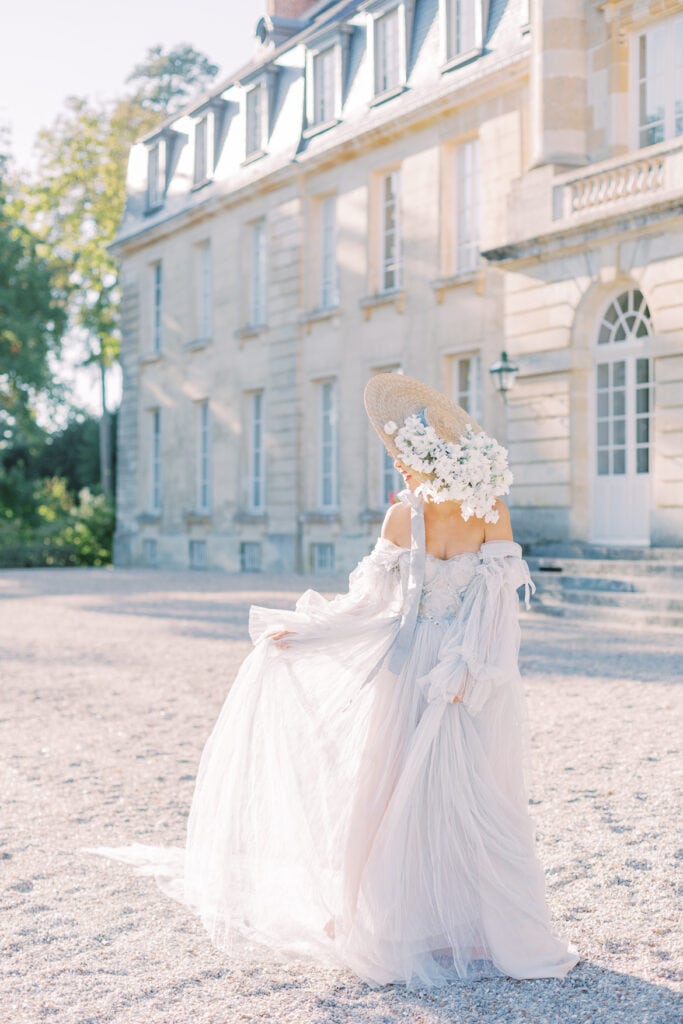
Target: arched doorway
<point>622,409</point>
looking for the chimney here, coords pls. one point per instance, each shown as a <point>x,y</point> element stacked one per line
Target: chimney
<point>289,8</point>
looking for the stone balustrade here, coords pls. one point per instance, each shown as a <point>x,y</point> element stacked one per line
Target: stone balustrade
<point>621,182</point>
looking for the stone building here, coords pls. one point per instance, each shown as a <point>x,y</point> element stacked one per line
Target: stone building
<point>409,185</point>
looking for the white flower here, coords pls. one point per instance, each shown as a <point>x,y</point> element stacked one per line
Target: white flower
<point>474,472</point>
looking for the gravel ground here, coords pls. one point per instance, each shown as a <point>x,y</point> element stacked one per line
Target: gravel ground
<point>111,681</point>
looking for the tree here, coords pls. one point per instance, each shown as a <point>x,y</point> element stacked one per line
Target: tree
<point>32,316</point>
<point>166,81</point>
<point>79,195</point>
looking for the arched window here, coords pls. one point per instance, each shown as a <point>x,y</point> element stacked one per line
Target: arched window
<point>627,317</point>
<point>622,421</point>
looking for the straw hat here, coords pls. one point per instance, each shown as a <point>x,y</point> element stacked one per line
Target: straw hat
<point>393,397</point>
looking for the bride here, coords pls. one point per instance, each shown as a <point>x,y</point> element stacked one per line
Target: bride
<point>361,798</point>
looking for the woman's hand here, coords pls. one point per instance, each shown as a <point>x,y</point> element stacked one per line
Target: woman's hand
<point>277,638</point>
<point>456,700</point>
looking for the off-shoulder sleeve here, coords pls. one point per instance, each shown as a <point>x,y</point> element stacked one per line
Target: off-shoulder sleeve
<point>373,599</point>
<point>480,652</point>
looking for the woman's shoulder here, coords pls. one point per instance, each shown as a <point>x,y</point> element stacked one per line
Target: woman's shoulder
<point>396,525</point>
<point>502,528</point>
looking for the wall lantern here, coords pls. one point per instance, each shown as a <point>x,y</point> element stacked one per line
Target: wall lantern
<point>503,373</point>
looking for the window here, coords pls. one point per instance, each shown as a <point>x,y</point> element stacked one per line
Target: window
<point>201,151</point>
<point>155,469</point>
<point>203,457</point>
<point>257,497</point>
<point>387,52</point>
<point>467,206</point>
<point>623,392</point>
<point>149,551</point>
<point>390,255</point>
<point>328,445</point>
<point>328,252</point>
<point>324,86</point>
<point>205,310</point>
<point>157,298</point>
<point>392,481</point>
<point>466,383</point>
<point>199,555</point>
<point>659,79</point>
<point>322,558</point>
<point>461,27</point>
<point>155,183</point>
<point>250,556</point>
<point>255,120</point>
<point>259,279</point>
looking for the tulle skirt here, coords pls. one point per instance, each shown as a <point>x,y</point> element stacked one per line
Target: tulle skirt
<point>337,814</point>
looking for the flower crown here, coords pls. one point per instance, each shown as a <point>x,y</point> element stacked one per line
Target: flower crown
<point>474,472</point>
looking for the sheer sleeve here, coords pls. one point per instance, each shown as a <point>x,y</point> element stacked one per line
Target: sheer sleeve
<point>480,652</point>
<point>374,598</point>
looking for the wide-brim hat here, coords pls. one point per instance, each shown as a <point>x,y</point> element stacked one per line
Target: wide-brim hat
<point>392,397</point>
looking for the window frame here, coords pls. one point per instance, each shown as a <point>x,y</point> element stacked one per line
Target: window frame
<point>257,314</point>
<point>328,285</point>
<point>255,136</point>
<point>328,420</point>
<point>155,462</point>
<point>451,57</point>
<point>203,456</point>
<point>202,150</point>
<point>672,29</point>
<point>256,476</point>
<point>157,288</point>
<point>155,197</point>
<point>325,112</point>
<point>474,392</point>
<point>204,290</point>
<point>386,266</point>
<point>466,242</point>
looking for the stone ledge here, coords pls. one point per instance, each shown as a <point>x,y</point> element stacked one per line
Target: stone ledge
<point>396,297</point>
<point>197,344</point>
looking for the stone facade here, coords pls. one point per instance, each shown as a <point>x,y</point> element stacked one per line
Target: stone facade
<point>381,188</point>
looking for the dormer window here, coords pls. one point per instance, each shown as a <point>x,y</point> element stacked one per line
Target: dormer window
<point>326,69</point>
<point>463,23</point>
<point>155,176</point>
<point>389,32</point>
<point>387,62</point>
<point>255,119</point>
<point>324,85</point>
<point>201,150</point>
<point>161,151</point>
<point>209,131</point>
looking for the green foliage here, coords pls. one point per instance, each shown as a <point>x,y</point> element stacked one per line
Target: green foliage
<point>41,523</point>
<point>166,81</point>
<point>32,314</point>
<point>59,533</point>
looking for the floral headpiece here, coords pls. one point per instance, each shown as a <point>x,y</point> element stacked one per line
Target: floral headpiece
<point>474,472</point>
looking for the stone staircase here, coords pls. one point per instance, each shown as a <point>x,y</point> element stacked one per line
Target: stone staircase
<point>629,587</point>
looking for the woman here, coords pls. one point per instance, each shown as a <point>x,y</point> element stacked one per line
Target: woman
<point>361,798</point>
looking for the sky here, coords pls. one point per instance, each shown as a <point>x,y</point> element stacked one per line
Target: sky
<point>49,51</point>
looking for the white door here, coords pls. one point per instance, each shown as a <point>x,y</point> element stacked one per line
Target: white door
<point>622,404</point>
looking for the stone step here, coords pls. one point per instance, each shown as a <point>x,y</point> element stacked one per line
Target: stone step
<point>613,568</point>
<point>633,619</point>
<point>576,550</point>
<point>640,584</point>
<point>616,599</point>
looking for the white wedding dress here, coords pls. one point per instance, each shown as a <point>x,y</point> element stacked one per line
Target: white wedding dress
<point>346,808</point>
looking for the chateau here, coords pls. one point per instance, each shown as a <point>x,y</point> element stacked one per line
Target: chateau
<point>418,186</point>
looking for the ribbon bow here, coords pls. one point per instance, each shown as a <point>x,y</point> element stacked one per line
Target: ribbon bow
<point>415,581</point>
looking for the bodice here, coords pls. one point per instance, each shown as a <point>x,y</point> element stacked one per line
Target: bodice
<point>445,581</point>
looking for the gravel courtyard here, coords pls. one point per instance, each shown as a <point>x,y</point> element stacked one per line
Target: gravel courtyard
<point>110,684</point>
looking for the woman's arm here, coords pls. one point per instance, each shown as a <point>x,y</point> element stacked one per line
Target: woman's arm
<point>502,530</point>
